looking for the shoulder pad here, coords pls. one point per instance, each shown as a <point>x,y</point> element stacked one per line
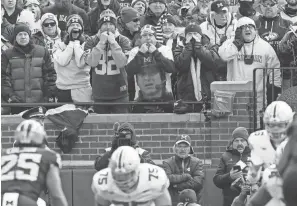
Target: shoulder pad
<point>101,181</point>
<point>140,150</point>
<point>155,177</point>
<point>256,135</point>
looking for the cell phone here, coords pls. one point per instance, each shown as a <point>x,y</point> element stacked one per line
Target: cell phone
<point>237,167</point>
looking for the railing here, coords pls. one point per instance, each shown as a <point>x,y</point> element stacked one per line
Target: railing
<point>255,100</point>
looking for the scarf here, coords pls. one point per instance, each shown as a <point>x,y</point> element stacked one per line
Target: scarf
<point>195,73</point>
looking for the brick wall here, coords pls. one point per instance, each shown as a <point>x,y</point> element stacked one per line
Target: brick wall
<point>156,132</point>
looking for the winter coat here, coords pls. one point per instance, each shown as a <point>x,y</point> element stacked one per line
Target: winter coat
<point>30,76</point>
<point>94,14</point>
<point>222,177</point>
<point>206,60</point>
<point>176,169</point>
<point>123,30</point>
<point>109,78</point>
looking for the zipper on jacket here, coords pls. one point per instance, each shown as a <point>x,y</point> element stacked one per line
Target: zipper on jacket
<point>183,165</point>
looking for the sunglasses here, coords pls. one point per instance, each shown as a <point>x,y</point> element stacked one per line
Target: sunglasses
<point>248,26</point>
<point>269,5</point>
<point>52,24</point>
<point>136,20</point>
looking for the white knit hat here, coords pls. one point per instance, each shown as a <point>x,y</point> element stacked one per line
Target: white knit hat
<point>245,21</point>
<point>48,16</point>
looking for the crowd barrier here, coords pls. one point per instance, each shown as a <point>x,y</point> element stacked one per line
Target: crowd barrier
<point>77,187</point>
<point>266,92</point>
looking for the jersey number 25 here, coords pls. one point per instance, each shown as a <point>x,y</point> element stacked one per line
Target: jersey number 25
<point>14,166</point>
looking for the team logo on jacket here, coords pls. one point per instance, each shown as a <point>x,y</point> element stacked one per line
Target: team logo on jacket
<point>270,36</point>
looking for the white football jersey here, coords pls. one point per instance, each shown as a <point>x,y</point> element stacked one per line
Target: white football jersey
<point>152,183</point>
<point>262,150</point>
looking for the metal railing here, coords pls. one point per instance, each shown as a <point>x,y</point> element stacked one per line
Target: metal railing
<point>293,71</point>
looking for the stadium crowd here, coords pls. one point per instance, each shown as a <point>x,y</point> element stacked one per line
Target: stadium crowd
<point>116,51</point>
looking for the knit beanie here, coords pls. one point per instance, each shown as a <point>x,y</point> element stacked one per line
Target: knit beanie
<point>193,28</point>
<point>148,29</point>
<point>154,1</point>
<point>245,21</point>
<point>48,16</point>
<point>167,18</point>
<point>21,27</point>
<point>240,132</point>
<point>74,18</point>
<point>107,16</point>
<point>128,14</point>
<point>29,2</point>
<point>135,1</point>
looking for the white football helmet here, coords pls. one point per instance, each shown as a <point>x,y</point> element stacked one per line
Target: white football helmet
<point>277,118</point>
<point>124,164</point>
<point>30,132</point>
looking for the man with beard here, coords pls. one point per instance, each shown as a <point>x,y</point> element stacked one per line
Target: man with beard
<point>124,136</point>
<point>289,11</point>
<point>237,153</point>
<point>62,9</point>
<point>151,63</point>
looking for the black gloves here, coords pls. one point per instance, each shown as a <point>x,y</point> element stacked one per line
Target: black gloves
<point>238,40</point>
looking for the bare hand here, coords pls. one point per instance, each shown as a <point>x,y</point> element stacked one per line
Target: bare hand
<point>143,48</point>
<point>234,174</point>
<point>151,48</point>
<point>245,190</point>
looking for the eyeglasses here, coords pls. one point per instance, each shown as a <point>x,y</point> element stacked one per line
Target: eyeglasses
<point>136,20</point>
<point>52,24</point>
<point>248,26</point>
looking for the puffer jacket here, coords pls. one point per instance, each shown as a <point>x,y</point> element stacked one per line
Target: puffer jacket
<point>177,170</point>
<point>30,76</point>
<point>222,177</point>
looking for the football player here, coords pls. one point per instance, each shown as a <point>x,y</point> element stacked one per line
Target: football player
<point>29,168</point>
<point>126,181</point>
<point>266,148</point>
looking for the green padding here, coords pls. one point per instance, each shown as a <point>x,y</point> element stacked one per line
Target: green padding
<point>66,177</point>
<point>212,195</point>
<point>82,192</point>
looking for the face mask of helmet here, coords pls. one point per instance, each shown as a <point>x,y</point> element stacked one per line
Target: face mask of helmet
<point>125,180</point>
<point>277,131</point>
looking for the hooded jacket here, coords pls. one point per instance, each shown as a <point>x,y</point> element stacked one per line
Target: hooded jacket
<point>214,33</point>
<point>94,14</point>
<point>102,162</point>
<point>222,177</point>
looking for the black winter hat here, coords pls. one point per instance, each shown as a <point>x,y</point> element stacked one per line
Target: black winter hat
<point>21,27</point>
<point>193,28</point>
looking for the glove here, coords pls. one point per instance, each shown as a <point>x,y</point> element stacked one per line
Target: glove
<point>15,99</point>
<point>111,38</point>
<point>67,39</point>
<point>238,40</point>
<point>103,38</point>
<point>144,48</point>
<point>151,48</point>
